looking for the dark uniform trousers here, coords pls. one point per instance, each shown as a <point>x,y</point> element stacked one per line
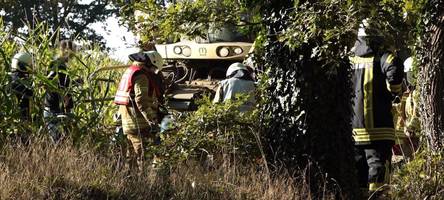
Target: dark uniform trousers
<point>373,163</point>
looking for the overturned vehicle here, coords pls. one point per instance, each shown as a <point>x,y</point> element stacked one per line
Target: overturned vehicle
<point>194,67</point>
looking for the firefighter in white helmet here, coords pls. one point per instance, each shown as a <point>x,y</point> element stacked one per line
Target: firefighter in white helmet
<point>238,81</point>
<point>21,83</point>
<point>376,82</point>
<point>139,96</point>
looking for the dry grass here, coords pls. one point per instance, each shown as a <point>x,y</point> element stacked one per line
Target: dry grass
<point>42,170</point>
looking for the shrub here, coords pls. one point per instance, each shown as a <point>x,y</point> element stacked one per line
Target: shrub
<point>421,178</point>
<point>214,129</point>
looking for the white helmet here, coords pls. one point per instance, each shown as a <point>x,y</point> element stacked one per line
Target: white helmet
<point>155,59</point>
<point>408,65</point>
<point>20,61</point>
<point>362,28</point>
<point>234,67</point>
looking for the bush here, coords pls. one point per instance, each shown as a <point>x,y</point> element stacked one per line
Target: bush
<point>214,129</point>
<point>421,178</point>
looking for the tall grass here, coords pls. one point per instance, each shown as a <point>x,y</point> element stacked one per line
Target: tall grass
<point>44,171</point>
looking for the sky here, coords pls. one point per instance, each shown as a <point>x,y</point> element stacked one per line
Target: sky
<point>121,41</point>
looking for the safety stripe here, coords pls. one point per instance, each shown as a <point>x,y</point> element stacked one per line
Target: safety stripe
<point>372,187</point>
<point>357,60</point>
<point>372,130</point>
<point>368,97</point>
<point>121,97</point>
<point>362,135</point>
<point>389,59</point>
<point>395,88</point>
<point>370,138</point>
<point>400,136</point>
<point>123,93</point>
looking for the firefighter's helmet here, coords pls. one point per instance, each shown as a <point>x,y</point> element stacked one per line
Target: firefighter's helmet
<point>152,57</point>
<point>234,67</point>
<point>21,61</point>
<point>155,59</point>
<point>67,48</point>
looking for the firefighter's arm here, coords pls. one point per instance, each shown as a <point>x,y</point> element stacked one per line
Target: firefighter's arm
<point>52,70</point>
<point>394,72</point>
<point>219,94</point>
<point>142,99</point>
<point>65,82</point>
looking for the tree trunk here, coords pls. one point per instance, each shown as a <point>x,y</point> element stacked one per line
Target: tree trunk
<point>431,77</point>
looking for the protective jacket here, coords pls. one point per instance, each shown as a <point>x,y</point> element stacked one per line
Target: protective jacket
<point>21,85</point>
<point>229,88</point>
<point>137,96</point>
<point>377,77</point>
<point>54,100</point>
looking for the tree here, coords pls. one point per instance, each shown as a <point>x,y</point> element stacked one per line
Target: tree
<point>170,20</point>
<point>431,62</point>
<point>71,16</point>
<point>307,109</point>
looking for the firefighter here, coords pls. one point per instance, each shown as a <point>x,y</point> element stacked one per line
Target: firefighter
<point>412,126</point>
<point>58,103</point>
<point>138,99</point>
<point>238,81</point>
<point>21,83</point>
<point>377,78</point>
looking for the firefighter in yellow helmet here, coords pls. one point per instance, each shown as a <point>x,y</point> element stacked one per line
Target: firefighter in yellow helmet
<point>376,78</point>
<point>138,97</point>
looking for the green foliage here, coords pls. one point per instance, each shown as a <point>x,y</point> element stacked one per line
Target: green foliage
<point>176,19</point>
<point>395,20</point>
<point>90,119</point>
<point>213,129</point>
<point>421,178</point>
<point>72,17</point>
<point>328,26</point>
<point>307,108</point>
